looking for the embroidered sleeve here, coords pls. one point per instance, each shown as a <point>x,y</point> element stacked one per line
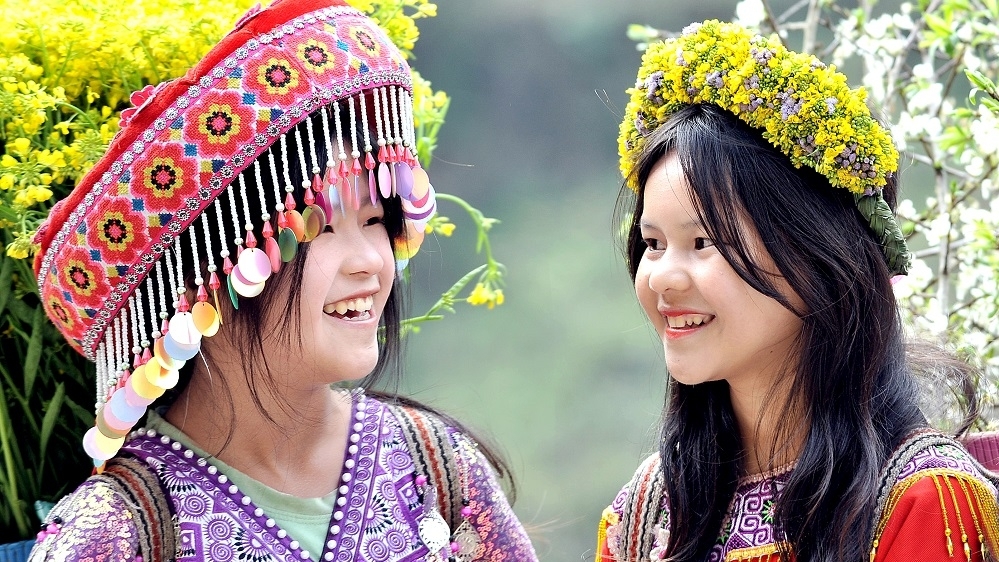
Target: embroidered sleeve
<point>630,528</point>
<point>92,524</point>
<point>609,529</point>
<point>936,514</point>
<point>489,513</point>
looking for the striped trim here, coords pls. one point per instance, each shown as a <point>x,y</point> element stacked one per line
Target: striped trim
<point>641,510</point>
<point>434,455</point>
<point>756,553</point>
<point>137,482</point>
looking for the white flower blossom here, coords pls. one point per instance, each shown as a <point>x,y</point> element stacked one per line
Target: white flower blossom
<point>975,167</point>
<point>923,71</point>
<point>878,27</point>
<point>937,229</point>
<point>985,131</point>
<point>965,33</point>
<point>926,98</point>
<point>750,13</point>
<point>972,62</point>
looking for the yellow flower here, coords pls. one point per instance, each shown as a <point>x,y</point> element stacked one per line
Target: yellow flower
<point>7,181</point>
<point>768,87</point>
<point>21,145</point>
<point>484,294</point>
<point>479,295</point>
<point>446,229</point>
<point>18,250</point>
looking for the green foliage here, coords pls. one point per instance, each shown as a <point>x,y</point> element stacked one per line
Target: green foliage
<point>46,405</point>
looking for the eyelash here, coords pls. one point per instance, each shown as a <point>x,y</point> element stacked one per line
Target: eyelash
<point>700,243</point>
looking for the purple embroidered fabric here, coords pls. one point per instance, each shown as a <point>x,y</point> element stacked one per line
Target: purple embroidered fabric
<point>377,517</point>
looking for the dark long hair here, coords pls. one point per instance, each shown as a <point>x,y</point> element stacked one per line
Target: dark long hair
<point>243,325</point>
<point>851,385</point>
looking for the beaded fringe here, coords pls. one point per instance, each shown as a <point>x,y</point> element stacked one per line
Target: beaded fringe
<point>986,528</point>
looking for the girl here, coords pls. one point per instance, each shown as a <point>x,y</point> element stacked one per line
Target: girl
<point>762,247</point>
<point>229,261</point>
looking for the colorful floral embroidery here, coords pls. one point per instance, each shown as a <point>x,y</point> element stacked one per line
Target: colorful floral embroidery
<point>67,318</point>
<point>221,124</point>
<point>362,38</point>
<point>117,232</point>
<point>163,178</point>
<point>274,78</point>
<point>85,278</point>
<point>315,56</point>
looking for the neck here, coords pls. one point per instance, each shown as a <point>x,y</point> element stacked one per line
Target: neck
<point>759,411</point>
<point>293,443</point>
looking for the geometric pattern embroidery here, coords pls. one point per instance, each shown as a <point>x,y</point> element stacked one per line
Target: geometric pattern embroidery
<point>195,148</point>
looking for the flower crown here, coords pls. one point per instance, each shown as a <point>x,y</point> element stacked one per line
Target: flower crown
<point>800,105</point>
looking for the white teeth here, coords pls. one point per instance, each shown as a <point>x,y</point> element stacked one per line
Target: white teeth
<point>362,304</point>
<point>687,320</point>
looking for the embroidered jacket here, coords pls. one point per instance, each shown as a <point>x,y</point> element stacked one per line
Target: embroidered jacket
<point>940,506</point>
<point>379,517</point>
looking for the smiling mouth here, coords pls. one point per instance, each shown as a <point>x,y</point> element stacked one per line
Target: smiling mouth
<point>688,321</point>
<point>351,309</point>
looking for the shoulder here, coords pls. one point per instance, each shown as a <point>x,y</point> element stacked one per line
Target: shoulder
<point>427,430</point>
<point>94,522</point>
<point>636,506</point>
<point>942,502</point>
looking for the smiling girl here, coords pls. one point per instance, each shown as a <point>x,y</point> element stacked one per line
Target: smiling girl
<point>762,245</point>
<point>228,265</point>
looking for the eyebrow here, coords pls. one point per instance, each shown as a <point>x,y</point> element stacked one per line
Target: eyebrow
<point>689,225</point>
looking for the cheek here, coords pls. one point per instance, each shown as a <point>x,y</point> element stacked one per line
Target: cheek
<point>648,298</point>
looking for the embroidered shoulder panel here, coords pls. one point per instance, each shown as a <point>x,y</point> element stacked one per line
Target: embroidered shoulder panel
<point>97,526</point>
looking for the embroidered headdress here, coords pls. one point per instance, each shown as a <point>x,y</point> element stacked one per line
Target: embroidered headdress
<point>800,105</point>
<point>257,146</point>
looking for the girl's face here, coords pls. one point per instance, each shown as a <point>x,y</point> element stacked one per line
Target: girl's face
<point>345,285</point>
<point>713,325</point>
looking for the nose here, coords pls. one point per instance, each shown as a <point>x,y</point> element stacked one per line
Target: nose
<point>668,274</point>
<point>363,255</point>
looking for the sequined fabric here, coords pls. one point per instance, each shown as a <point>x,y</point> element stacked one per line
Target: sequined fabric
<point>377,519</point>
<point>97,527</point>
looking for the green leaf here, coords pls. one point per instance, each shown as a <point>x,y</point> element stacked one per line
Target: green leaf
<point>34,355</point>
<point>6,290</point>
<point>938,25</point>
<point>48,423</point>
<point>8,446</point>
<point>981,81</point>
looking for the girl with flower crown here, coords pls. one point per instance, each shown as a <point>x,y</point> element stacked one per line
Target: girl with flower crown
<point>762,245</point>
<point>228,262</point>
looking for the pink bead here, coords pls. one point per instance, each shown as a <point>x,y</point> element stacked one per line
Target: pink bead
<point>52,529</point>
<point>421,480</point>
<point>466,512</point>
<point>455,547</point>
<point>41,536</point>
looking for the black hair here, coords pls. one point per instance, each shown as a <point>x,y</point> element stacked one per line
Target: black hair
<point>242,326</point>
<point>851,384</point>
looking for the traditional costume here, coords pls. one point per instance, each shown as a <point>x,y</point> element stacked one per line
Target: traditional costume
<point>936,501</point>
<point>231,168</point>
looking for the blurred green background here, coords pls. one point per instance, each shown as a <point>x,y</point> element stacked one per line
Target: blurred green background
<point>565,376</point>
